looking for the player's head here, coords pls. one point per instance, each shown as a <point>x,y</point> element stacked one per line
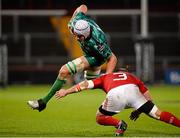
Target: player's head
<point>82,29</point>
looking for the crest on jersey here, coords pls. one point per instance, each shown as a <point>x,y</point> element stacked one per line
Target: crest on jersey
<point>100,47</point>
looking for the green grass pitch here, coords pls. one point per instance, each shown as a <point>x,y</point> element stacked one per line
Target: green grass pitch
<point>74,116</point>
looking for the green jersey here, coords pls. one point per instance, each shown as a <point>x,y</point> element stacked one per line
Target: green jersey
<point>95,47</point>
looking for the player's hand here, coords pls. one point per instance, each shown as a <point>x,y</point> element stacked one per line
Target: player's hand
<point>134,115</point>
<point>61,93</point>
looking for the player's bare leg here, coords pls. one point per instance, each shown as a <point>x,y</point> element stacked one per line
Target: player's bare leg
<point>40,104</point>
<point>92,73</point>
<point>70,68</point>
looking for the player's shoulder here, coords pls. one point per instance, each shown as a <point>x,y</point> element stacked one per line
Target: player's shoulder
<point>103,74</point>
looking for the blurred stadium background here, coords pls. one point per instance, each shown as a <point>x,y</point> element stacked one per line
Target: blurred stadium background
<point>38,41</point>
<point>35,43</point>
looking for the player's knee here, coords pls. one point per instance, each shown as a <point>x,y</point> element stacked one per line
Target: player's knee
<point>91,74</point>
<point>75,66</point>
<point>100,119</point>
<point>150,109</point>
<point>63,72</point>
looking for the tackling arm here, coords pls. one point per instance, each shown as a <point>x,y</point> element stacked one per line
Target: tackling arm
<point>87,84</point>
<point>111,64</point>
<point>147,96</point>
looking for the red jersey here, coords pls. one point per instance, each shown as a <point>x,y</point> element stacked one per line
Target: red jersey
<point>112,80</point>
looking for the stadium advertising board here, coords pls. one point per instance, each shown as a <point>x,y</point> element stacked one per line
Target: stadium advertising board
<point>172,76</point>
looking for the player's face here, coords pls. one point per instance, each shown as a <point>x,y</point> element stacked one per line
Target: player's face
<point>79,37</point>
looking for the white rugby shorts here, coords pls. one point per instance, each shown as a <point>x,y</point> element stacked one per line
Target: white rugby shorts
<point>122,97</point>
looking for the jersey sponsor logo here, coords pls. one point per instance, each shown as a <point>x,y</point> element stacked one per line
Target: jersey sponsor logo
<point>100,47</point>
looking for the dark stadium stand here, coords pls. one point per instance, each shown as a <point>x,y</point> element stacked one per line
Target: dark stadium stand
<point>48,52</point>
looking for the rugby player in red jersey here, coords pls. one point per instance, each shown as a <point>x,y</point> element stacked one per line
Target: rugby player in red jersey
<point>123,90</point>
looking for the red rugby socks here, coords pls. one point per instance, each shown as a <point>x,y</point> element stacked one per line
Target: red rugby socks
<point>107,120</point>
<point>170,119</point>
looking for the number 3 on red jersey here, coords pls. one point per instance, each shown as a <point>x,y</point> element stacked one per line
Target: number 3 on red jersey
<point>120,76</point>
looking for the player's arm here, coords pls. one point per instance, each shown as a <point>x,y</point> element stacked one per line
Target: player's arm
<point>142,87</point>
<point>147,95</point>
<point>83,8</point>
<point>87,84</point>
<point>111,64</point>
<point>136,113</point>
<point>144,90</point>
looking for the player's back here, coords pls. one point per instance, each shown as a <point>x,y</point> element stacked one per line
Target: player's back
<point>113,80</point>
<point>96,44</point>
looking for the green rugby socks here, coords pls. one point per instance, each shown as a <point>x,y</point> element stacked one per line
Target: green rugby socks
<point>55,87</point>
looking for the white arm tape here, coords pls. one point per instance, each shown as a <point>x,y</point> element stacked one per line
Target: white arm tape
<point>153,112</point>
<point>90,84</point>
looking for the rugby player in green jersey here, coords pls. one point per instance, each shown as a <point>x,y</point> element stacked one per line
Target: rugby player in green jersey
<point>93,42</point>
